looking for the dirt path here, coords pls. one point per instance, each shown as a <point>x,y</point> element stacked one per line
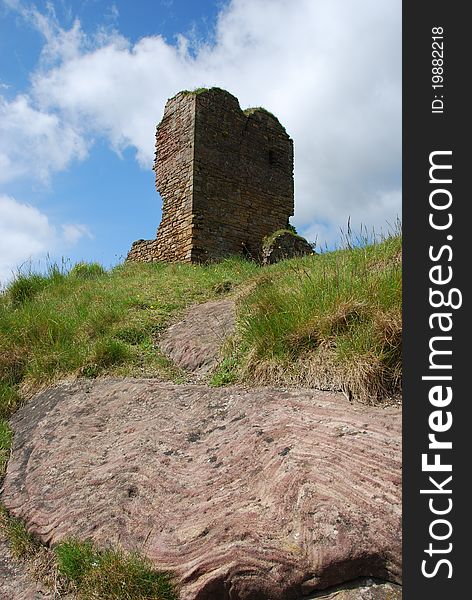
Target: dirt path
<point>195,341</point>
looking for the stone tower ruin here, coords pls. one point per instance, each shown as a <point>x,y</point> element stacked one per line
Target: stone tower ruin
<point>225,177</point>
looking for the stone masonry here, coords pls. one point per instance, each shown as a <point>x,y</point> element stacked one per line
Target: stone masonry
<point>225,177</point>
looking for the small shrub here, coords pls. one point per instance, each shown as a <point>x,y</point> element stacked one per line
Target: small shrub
<point>25,287</point>
<point>6,437</point>
<point>109,352</point>
<point>83,270</point>
<point>225,373</point>
<point>9,399</point>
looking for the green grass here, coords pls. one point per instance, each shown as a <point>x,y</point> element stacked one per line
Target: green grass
<point>200,90</point>
<point>9,401</point>
<point>84,270</point>
<point>331,321</point>
<point>39,561</point>
<point>23,545</point>
<point>25,287</point>
<point>5,444</point>
<point>227,371</point>
<point>81,568</point>
<point>89,322</point>
<point>111,574</point>
<point>195,91</point>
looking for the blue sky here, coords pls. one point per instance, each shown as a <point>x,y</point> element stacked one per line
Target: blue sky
<point>83,85</point>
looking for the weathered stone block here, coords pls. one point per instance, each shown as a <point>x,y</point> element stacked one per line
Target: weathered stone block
<point>284,244</point>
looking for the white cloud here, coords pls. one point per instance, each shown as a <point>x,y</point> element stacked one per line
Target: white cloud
<point>34,143</point>
<point>329,69</point>
<point>379,216</point>
<point>71,233</point>
<point>26,233</point>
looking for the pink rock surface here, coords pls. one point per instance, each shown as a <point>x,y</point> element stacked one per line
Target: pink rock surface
<point>245,494</point>
<point>194,343</point>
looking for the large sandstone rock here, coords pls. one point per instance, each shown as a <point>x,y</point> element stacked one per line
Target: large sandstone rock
<point>284,244</point>
<point>244,494</point>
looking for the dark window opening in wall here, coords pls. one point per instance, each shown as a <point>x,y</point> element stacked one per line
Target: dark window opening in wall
<point>271,157</point>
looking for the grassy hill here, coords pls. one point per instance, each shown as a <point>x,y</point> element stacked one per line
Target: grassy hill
<point>331,320</point>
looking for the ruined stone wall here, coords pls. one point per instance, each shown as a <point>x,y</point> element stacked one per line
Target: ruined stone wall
<point>174,181</point>
<point>143,251</point>
<point>174,178</point>
<point>243,177</point>
<point>225,177</point>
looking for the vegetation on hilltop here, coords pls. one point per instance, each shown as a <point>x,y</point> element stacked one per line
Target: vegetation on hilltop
<point>89,322</point>
<point>290,229</point>
<point>258,109</point>
<point>195,91</point>
<point>330,321</point>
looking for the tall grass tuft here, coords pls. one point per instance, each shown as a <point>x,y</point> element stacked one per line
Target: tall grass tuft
<point>111,574</point>
<point>83,270</point>
<point>79,568</point>
<point>25,288</point>
<point>331,321</point>
<point>6,437</point>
